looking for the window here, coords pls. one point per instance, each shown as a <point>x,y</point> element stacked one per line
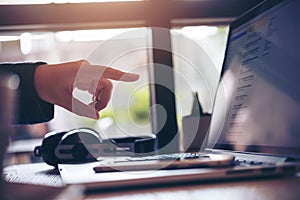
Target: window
<point>198,56</point>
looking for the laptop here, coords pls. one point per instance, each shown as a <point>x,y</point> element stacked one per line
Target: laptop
<point>254,130</point>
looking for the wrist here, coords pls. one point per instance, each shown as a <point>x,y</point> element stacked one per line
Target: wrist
<point>42,80</point>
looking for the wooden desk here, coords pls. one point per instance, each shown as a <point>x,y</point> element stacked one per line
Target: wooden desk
<point>264,189</point>
<point>284,188</point>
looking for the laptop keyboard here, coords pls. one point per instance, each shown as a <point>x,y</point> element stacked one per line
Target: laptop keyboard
<point>246,163</point>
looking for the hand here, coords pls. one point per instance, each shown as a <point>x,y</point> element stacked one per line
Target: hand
<point>55,84</point>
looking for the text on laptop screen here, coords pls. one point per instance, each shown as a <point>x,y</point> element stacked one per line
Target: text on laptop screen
<point>257,106</point>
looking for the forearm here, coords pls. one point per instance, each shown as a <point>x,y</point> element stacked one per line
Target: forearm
<point>31,108</point>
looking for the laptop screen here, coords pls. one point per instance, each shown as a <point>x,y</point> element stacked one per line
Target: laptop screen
<point>257,105</point>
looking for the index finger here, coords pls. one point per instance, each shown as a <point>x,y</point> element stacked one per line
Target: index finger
<point>118,75</point>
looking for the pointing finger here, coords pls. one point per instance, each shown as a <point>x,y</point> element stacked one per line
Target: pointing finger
<point>118,75</point>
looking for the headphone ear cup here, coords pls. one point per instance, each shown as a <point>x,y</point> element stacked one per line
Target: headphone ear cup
<point>47,149</point>
<point>79,146</point>
<point>74,146</point>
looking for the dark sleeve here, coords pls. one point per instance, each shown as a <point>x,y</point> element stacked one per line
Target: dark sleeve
<point>30,108</point>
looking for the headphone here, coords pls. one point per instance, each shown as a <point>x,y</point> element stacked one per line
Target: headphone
<point>74,146</point>
<point>85,145</point>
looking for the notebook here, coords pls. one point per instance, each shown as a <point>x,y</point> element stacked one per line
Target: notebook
<point>254,128</point>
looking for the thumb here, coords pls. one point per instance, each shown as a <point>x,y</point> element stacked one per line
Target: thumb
<point>83,109</point>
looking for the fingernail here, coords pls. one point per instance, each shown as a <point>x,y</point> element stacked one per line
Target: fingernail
<point>131,77</point>
<point>135,75</point>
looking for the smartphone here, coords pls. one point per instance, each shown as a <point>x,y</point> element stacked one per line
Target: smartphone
<point>160,162</point>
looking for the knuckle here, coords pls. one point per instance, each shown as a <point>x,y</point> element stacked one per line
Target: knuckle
<point>106,83</point>
<point>83,61</point>
<point>109,83</point>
